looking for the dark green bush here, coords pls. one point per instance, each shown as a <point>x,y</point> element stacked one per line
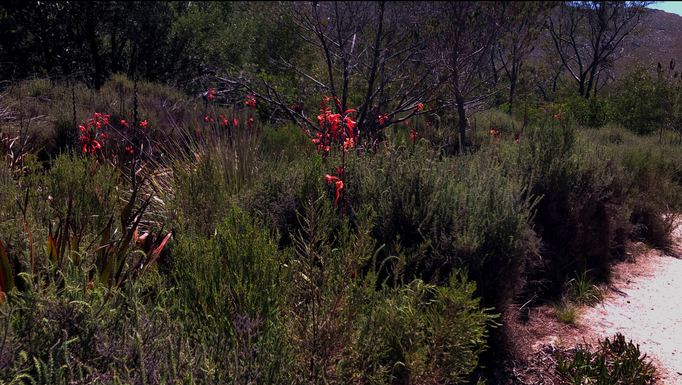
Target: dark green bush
<point>344,330</point>
<point>439,213</point>
<point>655,193</point>
<point>593,112</point>
<point>639,102</point>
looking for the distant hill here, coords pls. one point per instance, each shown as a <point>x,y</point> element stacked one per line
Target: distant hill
<point>656,40</point>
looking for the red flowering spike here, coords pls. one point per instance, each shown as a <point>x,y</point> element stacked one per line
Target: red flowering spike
<point>339,186</point>
<point>235,122</point>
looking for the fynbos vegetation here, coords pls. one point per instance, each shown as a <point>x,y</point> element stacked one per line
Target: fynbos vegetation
<point>318,192</point>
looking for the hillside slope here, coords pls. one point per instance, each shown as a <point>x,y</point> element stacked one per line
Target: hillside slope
<point>657,40</point>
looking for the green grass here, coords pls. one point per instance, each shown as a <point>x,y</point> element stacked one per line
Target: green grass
<point>584,291</point>
<point>566,311</point>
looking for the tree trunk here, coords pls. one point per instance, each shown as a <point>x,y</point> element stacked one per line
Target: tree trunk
<point>461,112</point>
<point>94,49</point>
<point>512,86</point>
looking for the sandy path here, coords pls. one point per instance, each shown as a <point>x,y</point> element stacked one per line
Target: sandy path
<point>648,310</point>
<point>643,302</point>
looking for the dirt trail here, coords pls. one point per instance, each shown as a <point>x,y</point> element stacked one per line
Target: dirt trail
<point>647,309</point>
<point>643,302</point>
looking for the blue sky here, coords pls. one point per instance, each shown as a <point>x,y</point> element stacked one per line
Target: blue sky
<point>669,6</point>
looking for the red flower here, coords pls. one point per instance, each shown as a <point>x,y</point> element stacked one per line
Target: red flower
<point>235,122</point>
<point>210,95</point>
<point>250,101</point>
<point>339,186</point>
<point>420,106</point>
<point>123,122</point>
<point>144,124</point>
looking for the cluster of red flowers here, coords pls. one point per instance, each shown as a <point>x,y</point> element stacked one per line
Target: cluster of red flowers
<point>559,116</point>
<point>494,132</point>
<point>383,118</point>
<point>88,139</point>
<point>98,120</point>
<point>250,101</point>
<point>222,121</point>
<point>211,94</point>
<point>143,124</point>
<point>335,128</point>
<point>413,135</point>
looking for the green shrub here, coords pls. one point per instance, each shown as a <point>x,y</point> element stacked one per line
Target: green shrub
<point>438,213</point>
<point>344,330</point>
<point>68,331</point>
<point>612,362</point>
<point>582,192</point>
<point>639,102</point>
<point>234,271</point>
<point>86,191</point>
<point>655,192</point>
<point>229,291</point>
<point>593,112</point>
<point>418,333</point>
